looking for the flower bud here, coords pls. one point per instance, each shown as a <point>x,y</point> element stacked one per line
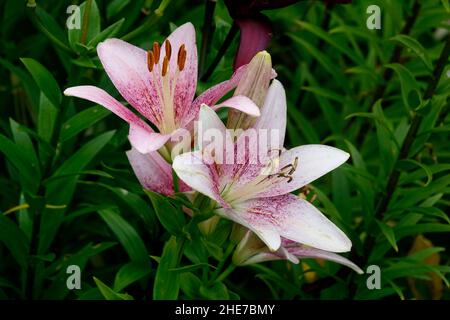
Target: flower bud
<point>254,85</point>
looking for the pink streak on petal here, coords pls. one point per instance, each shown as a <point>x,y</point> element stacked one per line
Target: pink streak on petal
<point>126,66</point>
<point>153,172</point>
<point>101,97</point>
<point>192,168</point>
<point>141,135</point>
<point>296,220</point>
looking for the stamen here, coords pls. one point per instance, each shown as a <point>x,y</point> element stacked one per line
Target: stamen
<point>168,49</point>
<point>156,51</point>
<point>150,60</point>
<point>181,57</point>
<point>165,66</point>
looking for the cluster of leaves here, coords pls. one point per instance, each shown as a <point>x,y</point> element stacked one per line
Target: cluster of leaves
<point>69,197</point>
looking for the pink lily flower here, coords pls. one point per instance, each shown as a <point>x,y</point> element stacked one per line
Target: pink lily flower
<point>160,84</point>
<point>262,202</point>
<point>252,250</point>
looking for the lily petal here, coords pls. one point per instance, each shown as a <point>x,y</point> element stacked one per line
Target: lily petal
<point>145,141</point>
<point>141,135</point>
<point>292,218</point>
<point>302,251</point>
<point>103,98</point>
<point>199,175</point>
<point>241,103</point>
<point>274,114</point>
<point>213,94</point>
<point>313,161</point>
<point>152,171</point>
<point>126,66</point>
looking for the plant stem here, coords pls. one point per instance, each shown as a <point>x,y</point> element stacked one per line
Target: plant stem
<point>388,73</point>
<point>226,273</point>
<point>219,269</point>
<point>225,45</point>
<point>413,129</point>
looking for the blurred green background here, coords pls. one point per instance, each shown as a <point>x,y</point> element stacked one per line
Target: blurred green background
<point>68,195</point>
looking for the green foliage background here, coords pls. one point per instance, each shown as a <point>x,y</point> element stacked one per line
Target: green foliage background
<point>68,195</point>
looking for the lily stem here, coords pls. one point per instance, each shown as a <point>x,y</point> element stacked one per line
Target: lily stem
<point>413,129</point>
<point>226,273</point>
<point>217,273</point>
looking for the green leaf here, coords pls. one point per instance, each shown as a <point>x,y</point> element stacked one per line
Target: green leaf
<point>109,293</point>
<point>89,26</point>
<point>401,165</point>
<point>109,32</point>
<point>415,47</point>
<point>52,218</point>
<point>81,121</point>
<point>170,217</point>
<point>190,285</point>
<point>18,158</point>
<point>409,87</point>
<point>50,28</point>
<point>191,268</point>
<point>46,118</point>
<point>14,240</point>
<point>127,236</point>
<point>44,79</point>
<point>389,234</point>
<point>333,41</point>
<point>58,270</point>
<point>130,273</point>
<point>167,283</point>
<point>218,291</point>
<point>23,141</point>
<point>324,60</point>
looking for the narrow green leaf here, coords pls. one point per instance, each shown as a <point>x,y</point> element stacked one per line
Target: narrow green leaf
<point>127,236</point>
<point>167,283</point>
<point>81,121</point>
<point>44,79</point>
<point>14,240</point>
<point>109,293</point>
<point>389,234</point>
<point>170,217</point>
<point>130,273</point>
<point>52,218</point>
<point>46,118</point>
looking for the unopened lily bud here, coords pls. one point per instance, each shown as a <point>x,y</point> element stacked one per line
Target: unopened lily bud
<point>208,226</point>
<point>254,85</point>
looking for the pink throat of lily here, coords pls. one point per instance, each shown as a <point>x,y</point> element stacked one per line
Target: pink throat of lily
<point>269,176</point>
<point>159,69</point>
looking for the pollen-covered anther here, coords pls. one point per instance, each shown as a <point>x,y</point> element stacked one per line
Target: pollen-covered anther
<point>286,171</point>
<point>150,60</point>
<point>181,57</point>
<point>156,51</point>
<point>168,49</point>
<point>165,66</point>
